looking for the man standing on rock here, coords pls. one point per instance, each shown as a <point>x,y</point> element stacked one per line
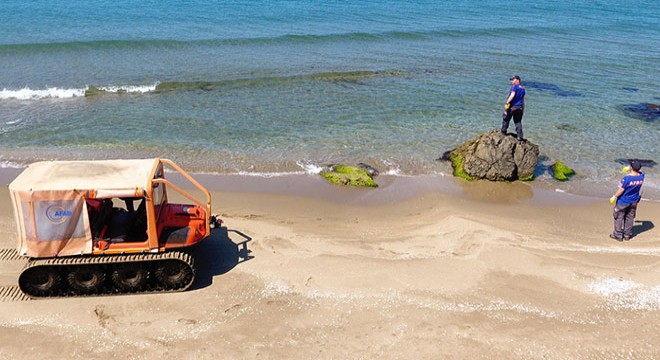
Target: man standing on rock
<point>625,202</point>
<point>514,107</point>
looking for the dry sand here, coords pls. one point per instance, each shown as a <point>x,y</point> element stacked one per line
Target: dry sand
<point>494,271</point>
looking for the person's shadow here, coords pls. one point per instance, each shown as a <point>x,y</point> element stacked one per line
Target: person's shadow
<point>644,225</point>
<point>218,254</point>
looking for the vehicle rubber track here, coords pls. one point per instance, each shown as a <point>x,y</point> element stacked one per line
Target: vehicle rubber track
<point>107,275</point>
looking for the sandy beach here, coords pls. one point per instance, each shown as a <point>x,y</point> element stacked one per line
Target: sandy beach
<point>445,271</point>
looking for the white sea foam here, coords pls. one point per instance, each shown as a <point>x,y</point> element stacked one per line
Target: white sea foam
<point>392,168</point>
<point>610,286</point>
<point>309,168</point>
<point>313,169</point>
<point>9,165</point>
<point>61,93</point>
<point>627,294</point>
<point>13,122</point>
<point>11,125</point>
<point>268,174</point>
<point>395,172</point>
<point>30,94</point>
<point>277,288</point>
<point>130,88</point>
<point>594,249</point>
<point>395,298</point>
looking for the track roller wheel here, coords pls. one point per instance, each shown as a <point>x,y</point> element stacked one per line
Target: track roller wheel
<point>173,274</point>
<point>130,277</point>
<point>40,281</point>
<point>86,279</point>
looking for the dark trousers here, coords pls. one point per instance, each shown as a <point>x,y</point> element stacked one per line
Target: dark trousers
<point>624,217</point>
<point>516,113</point>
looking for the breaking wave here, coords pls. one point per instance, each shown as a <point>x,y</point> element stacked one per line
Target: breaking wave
<point>160,87</point>
<point>61,93</point>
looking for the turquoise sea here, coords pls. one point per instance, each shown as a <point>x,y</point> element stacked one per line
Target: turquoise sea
<point>276,87</point>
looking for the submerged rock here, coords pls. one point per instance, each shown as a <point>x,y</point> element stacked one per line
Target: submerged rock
<point>495,156</point>
<point>568,127</point>
<point>94,91</point>
<point>561,172</point>
<point>348,175</point>
<point>643,111</point>
<point>550,88</point>
<point>446,156</point>
<point>645,162</point>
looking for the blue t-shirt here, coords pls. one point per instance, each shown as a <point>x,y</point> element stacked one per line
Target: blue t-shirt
<point>631,186</point>
<point>520,95</point>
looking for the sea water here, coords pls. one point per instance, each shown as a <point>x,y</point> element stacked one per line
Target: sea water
<point>276,87</point>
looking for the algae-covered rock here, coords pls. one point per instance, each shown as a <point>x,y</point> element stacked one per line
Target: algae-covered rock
<point>496,157</point>
<point>94,91</point>
<point>561,172</point>
<point>348,175</point>
<point>457,163</point>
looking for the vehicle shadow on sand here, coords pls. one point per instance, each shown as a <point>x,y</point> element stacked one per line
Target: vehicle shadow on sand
<point>218,254</point>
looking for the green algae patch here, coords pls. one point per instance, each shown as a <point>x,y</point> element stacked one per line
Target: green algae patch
<point>457,163</point>
<point>349,75</point>
<point>353,75</point>
<point>561,172</point>
<point>185,86</point>
<point>94,91</point>
<point>348,175</point>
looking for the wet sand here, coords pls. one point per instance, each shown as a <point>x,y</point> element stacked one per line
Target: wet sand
<point>419,268</point>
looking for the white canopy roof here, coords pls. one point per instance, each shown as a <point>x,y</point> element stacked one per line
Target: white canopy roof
<point>85,175</point>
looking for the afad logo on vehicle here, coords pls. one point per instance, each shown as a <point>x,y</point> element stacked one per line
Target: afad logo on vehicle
<point>57,214</point>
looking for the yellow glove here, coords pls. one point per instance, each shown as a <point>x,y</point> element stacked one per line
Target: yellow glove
<point>625,169</point>
<point>613,200</point>
<point>507,106</point>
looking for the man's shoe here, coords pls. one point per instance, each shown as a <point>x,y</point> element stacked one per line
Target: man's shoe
<point>615,238</point>
<point>626,238</point>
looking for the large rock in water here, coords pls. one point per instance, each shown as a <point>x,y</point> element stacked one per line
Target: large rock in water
<point>496,157</point>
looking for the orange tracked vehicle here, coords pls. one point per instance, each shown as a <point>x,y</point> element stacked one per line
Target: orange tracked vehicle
<point>106,227</point>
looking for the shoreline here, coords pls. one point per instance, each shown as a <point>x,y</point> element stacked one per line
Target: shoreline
<point>392,188</point>
<point>397,186</point>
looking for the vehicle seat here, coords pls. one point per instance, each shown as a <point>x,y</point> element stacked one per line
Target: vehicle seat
<point>138,226</point>
<point>100,212</point>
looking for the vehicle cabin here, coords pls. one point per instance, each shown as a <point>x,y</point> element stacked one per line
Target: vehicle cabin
<point>66,208</point>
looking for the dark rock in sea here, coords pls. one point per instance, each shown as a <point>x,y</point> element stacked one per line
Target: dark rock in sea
<point>568,127</point>
<point>445,156</point>
<point>645,162</point>
<point>643,111</point>
<point>550,88</point>
<point>496,157</point>
<point>372,171</point>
